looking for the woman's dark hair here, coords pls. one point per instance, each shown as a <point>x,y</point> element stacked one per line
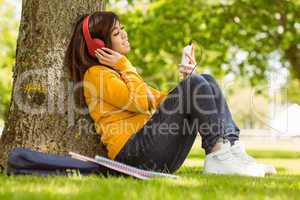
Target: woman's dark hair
<point>77,58</point>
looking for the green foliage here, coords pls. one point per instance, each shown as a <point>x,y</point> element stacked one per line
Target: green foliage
<point>236,36</point>
<point>8,36</point>
<point>223,28</point>
<point>292,91</point>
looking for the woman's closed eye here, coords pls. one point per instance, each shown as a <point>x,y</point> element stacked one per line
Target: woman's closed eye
<point>117,33</point>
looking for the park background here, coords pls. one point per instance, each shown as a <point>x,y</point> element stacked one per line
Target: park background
<point>251,47</point>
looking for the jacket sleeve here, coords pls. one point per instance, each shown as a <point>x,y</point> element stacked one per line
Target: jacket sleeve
<point>129,92</point>
<point>155,97</point>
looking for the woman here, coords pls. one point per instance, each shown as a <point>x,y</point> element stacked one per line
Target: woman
<point>142,126</point>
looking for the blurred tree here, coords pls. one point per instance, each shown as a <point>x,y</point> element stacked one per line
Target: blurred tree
<point>249,109</point>
<point>292,90</point>
<point>8,36</point>
<point>237,36</point>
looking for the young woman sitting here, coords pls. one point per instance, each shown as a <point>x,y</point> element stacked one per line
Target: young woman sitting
<point>142,126</point>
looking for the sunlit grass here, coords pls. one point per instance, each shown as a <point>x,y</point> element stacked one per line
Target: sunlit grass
<point>192,184</point>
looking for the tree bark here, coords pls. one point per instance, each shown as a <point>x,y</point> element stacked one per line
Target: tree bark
<point>41,114</point>
<point>293,55</point>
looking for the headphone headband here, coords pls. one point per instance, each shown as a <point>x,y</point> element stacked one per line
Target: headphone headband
<point>92,44</point>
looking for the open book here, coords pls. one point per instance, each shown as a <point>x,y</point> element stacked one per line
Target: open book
<point>122,168</point>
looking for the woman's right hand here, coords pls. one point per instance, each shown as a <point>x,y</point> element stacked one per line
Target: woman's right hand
<point>111,58</point>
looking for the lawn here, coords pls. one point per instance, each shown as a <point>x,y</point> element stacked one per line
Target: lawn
<point>191,185</point>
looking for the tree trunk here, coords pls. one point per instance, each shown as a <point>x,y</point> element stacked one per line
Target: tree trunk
<point>41,114</point>
<point>293,55</point>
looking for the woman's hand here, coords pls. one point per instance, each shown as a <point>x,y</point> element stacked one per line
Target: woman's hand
<point>185,70</point>
<point>108,57</point>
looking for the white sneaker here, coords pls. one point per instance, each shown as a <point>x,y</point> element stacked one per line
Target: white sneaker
<point>238,150</point>
<point>223,161</point>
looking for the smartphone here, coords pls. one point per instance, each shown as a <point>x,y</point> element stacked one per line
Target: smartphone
<point>186,50</point>
<point>185,59</point>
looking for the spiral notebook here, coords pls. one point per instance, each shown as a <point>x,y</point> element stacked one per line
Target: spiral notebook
<point>123,168</point>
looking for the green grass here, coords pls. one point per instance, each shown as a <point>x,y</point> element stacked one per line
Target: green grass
<point>191,185</point>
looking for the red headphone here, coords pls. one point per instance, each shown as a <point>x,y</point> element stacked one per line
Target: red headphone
<point>92,44</point>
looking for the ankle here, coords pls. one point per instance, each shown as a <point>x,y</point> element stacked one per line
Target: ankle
<point>216,147</point>
<point>218,144</point>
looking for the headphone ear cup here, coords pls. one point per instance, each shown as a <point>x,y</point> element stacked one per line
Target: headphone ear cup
<point>99,43</point>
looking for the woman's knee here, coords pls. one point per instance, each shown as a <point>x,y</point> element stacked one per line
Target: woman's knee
<point>196,79</point>
<point>194,83</point>
<point>208,77</point>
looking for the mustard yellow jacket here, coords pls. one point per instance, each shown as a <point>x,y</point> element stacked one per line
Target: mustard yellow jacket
<point>119,102</point>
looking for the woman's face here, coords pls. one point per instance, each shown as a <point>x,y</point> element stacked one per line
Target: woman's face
<point>119,39</point>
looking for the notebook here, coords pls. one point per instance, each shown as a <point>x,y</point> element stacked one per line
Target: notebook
<point>123,168</point>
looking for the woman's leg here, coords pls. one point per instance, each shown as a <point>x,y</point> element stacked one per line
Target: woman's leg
<point>166,139</point>
<point>231,132</point>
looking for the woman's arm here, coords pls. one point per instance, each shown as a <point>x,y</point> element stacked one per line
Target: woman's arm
<point>131,93</point>
<point>158,95</point>
<point>154,96</point>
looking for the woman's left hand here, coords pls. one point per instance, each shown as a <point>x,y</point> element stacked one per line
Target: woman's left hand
<point>186,69</point>
<point>108,57</point>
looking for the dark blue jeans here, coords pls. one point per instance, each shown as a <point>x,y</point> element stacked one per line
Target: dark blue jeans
<point>196,105</point>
